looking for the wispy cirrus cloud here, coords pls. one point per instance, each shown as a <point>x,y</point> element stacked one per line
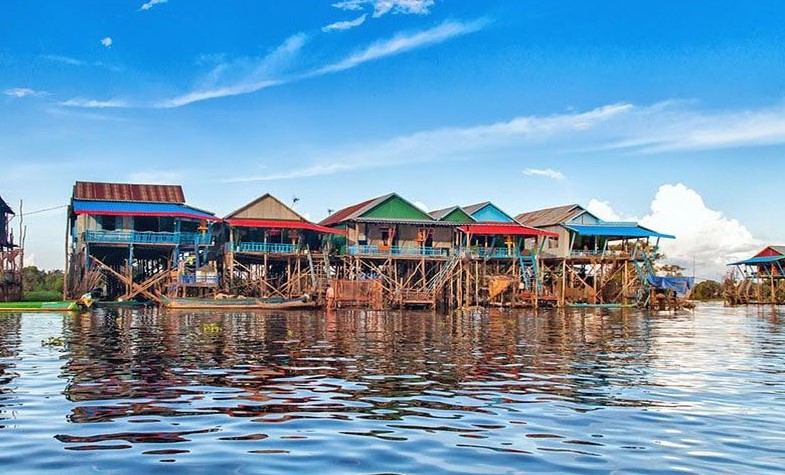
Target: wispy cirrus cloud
<point>248,75</point>
<point>96,104</point>
<point>382,7</point>
<point>402,43</point>
<point>545,172</point>
<point>623,129</point>
<point>20,92</point>
<point>345,25</point>
<point>150,4</point>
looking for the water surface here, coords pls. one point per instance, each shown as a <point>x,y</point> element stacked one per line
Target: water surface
<point>393,392</point>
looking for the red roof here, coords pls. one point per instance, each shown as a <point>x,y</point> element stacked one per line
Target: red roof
<point>514,229</point>
<point>85,190</point>
<point>280,224</point>
<point>342,214</point>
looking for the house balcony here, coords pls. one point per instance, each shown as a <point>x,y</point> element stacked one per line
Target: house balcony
<point>198,280</point>
<point>264,247</point>
<point>147,237</point>
<point>492,252</point>
<point>403,251</point>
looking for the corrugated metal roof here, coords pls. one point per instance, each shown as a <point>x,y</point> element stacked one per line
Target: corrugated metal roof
<point>550,216</point>
<point>757,260</point>
<point>441,213</point>
<point>131,192</point>
<point>4,208</point>
<point>353,211</point>
<point>124,208</point>
<point>471,209</point>
<point>261,198</point>
<point>616,230</point>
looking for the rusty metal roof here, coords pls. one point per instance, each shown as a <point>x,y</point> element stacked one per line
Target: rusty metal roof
<point>95,191</point>
<point>550,216</point>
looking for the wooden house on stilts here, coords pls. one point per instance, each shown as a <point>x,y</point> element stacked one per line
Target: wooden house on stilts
<point>11,258</point>
<point>271,250</point>
<point>595,262</point>
<point>137,241</point>
<point>758,279</point>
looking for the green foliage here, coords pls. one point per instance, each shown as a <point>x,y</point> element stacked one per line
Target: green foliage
<point>707,290</point>
<point>42,285</point>
<point>42,296</point>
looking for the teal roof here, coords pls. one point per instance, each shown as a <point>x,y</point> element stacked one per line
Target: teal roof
<point>616,230</point>
<point>757,260</point>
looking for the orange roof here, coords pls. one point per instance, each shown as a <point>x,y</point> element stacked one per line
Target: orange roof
<point>95,191</point>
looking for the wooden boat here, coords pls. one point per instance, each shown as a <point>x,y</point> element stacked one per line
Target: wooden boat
<point>63,306</point>
<point>271,303</point>
<point>121,304</point>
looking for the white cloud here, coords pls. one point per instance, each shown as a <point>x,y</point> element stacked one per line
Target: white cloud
<point>382,7</point>
<point>421,205</point>
<point>245,75</point>
<point>448,143</point>
<point>604,211</point>
<point>702,233</point>
<point>63,59</point>
<point>95,104</point>
<point>150,4</point>
<point>107,41</point>
<point>345,25</point>
<point>402,43</point>
<point>545,172</point>
<point>23,92</point>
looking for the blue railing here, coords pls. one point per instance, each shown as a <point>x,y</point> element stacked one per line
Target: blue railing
<point>492,252</point>
<point>365,250</point>
<point>147,237</point>
<point>265,247</point>
<point>191,279</point>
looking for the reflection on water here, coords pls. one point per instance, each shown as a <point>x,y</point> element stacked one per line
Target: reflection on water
<point>369,392</point>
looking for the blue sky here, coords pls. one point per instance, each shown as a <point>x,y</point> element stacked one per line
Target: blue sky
<point>526,103</point>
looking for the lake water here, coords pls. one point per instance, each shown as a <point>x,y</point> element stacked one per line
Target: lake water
<point>587,391</point>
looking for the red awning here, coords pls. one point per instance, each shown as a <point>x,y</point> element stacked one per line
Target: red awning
<point>513,229</point>
<point>281,224</point>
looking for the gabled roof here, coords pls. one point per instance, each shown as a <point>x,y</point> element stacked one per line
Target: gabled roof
<point>445,213</point>
<point>472,210</point>
<point>766,255</point>
<point>771,251</point>
<point>4,208</point>
<point>241,213</point>
<point>358,211</point>
<point>550,216</point>
<point>132,192</point>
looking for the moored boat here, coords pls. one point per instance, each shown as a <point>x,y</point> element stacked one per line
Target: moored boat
<point>63,306</point>
<point>271,303</point>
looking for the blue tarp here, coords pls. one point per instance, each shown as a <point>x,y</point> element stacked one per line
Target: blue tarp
<point>125,208</point>
<point>680,285</point>
<point>616,230</point>
<point>757,260</point>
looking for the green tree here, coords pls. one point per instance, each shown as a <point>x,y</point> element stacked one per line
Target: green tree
<point>707,290</point>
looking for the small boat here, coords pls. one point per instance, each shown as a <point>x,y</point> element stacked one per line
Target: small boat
<point>270,303</point>
<point>63,306</point>
<point>121,304</point>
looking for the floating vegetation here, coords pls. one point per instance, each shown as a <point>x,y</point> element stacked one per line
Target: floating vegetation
<point>54,341</point>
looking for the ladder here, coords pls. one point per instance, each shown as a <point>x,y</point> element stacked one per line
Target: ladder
<point>440,278</point>
<point>530,275</point>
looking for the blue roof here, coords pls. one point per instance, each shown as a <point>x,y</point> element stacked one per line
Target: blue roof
<point>757,260</point>
<point>616,230</point>
<point>125,208</point>
<point>680,285</point>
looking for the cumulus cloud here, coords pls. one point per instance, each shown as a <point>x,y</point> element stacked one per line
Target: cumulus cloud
<point>702,233</point>
<point>150,4</point>
<point>421,205</point>
<point>23,92</point>
<point>544,172</point>
<point>107,41</point>
<point>345,25</point>
<point>382,7</point>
